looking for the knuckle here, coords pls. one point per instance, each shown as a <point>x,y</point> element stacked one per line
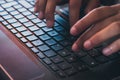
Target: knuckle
<point>116,26</point>
<point>118,43</point>
<point>96,39</point>
<point>101,9</point>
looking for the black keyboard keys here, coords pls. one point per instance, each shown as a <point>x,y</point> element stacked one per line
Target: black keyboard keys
<point>89,60</point>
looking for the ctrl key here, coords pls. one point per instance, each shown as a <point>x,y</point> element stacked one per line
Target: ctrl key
<point>61,74</point>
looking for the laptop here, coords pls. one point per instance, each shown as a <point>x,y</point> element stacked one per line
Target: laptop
<point>29,50</point>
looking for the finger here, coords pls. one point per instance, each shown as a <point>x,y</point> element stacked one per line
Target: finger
<point>91,5</point>
<point>74,10</point>
<point>103,35</point>
<point>91,18</point>
<point>93,30</point>
<point>114,47</point>
<point>78,44</point>
<point>116,7</point>
<point>40,7</point>
<point>36,6</point>
<point>49,13</point>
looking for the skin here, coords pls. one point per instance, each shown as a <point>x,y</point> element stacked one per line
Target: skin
<point>46,9</point>
<point>100,24</point>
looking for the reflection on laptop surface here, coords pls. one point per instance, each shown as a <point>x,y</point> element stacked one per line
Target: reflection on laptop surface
<point>52,57</point>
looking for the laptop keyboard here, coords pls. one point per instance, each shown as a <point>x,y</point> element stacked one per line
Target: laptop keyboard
<point>52,46</point>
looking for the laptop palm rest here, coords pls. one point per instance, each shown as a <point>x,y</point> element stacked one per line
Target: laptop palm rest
<point>15,62</point>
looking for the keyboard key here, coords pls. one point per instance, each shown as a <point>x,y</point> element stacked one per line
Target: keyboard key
<point>43,48</point>
<point>2,2</point>
<point>40,55</point>
<point>64,52</point>
<point>36,20</point>
<point>32,9</point>
<point>37,42</point>
<point>94,53</point>
<point>101,59</point>
<point>23,20</point>
<point>39,32</point>
<point>20,29</point>
<point>13,31</point>
<point>64,65</point>
<point>62,21</point>
<point>47,61</point>
<point>28,44</point>
<point>81,53</point>
<point>54,67</point>
<point>17,24</point>
<point>56,24</point>
<point>58,38</point>
<point>52,33</point>
<point>71,58</point>
<point>19,16</point>
<point>26,33</point>
<point>46,29</point>
<point>11,21</point>
<point>9,27</point>
<point>32,38</point>
<point>88,60</point>
<point>80,66</point>
<point>1,9</point>
<point>57,59</point>
<point>14,13</point>
<point>65,43</point>
<point>26,13</point>
<point>113,56</point>
<point>71,71</point>
<point>50,53</point>
<point>61,73</point>
<point>18,35</point>
<point>50,42</point>
<point>33,28</point>
<point>4,13</point>
<point>42,24</point>
<point>57,47</point>
<point>58,28</point>
<point>1,19</point>
<point>31,17</point>
<point>44,37</point>
<point>28,24</point>
<point>7,17</point>
<point>22,9</point>
<point>10,3</point>
<point>23,40</point>
<point>25,4</point>
<point>17,6</point>
<point>35,50</point>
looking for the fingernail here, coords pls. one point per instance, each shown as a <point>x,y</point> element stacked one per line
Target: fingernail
<point>88,44</point>
<point>41,15</point>
<point>107,51</point>
<point>50,23</point>
<point>73,31</point>
<point>75,47</point>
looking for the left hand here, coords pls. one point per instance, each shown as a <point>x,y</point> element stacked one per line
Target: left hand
<point>105,23</point>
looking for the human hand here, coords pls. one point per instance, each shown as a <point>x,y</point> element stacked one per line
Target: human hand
<point>46,9</point>
<point>76,5</point>
<point>100,24</point>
